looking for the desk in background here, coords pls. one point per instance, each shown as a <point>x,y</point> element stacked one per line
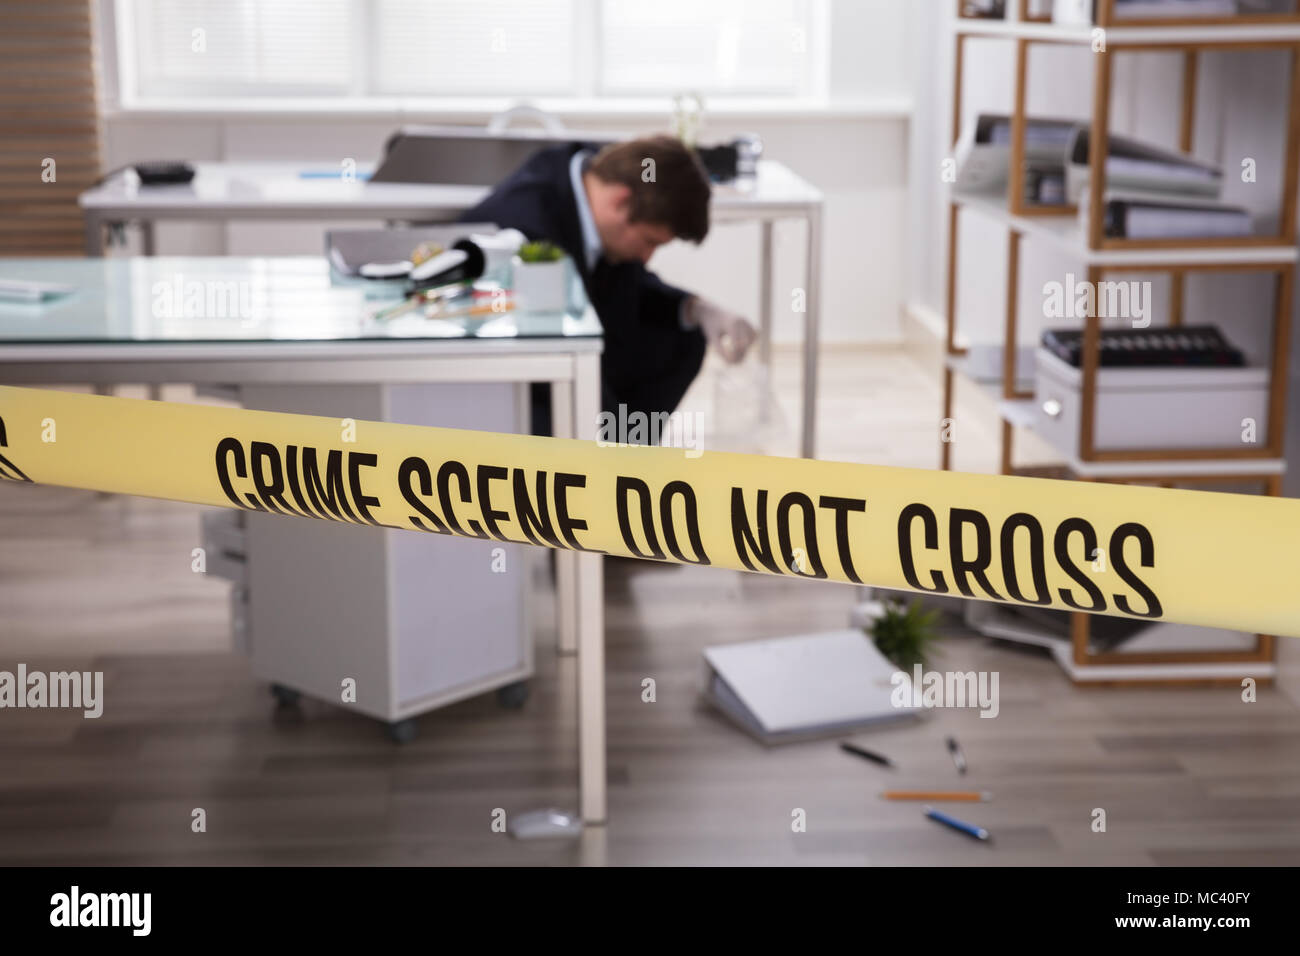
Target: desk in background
<point>223,192</point>
<point>292,328</point>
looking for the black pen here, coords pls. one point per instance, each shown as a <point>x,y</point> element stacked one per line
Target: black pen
<point>867,754</point>
<point>958,757</point>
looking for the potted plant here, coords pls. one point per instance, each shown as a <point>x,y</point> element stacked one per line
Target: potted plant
<point>903,635</point>
<point>541,277</point>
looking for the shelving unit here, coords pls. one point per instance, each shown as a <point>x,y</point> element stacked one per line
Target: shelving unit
<point>1101,256</point>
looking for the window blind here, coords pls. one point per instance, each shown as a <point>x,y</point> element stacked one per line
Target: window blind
<point>720,46</point>
<point>238,47</point>
<point>466,48</point>
<point>454,48</point>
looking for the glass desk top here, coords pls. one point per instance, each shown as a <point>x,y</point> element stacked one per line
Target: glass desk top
<point>195,299</point>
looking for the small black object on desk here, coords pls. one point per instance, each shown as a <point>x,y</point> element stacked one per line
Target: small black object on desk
<point>866,754</point>
<point>164,173</point>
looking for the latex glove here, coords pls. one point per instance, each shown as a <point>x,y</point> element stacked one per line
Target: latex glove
<point>727,332</point>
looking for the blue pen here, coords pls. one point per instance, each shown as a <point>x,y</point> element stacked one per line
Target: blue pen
<point>970,830</point>
<point>328,174</point>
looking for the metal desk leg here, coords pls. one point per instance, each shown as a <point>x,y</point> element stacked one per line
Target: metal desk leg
<point>812,303</point>
<point>590,599</point>
<point>765,298</point>
<point>566,562</point>
<point>94,237</point>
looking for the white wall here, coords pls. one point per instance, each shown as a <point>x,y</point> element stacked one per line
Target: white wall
<point>855,153</point>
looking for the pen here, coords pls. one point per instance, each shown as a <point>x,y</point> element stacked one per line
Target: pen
<point>329,174</point>
<point>962,796</point>
<point>867,754</point>
<point>958,757</point>
<point>979,833</point>
<point>401,308</point>
<point>452,312</point>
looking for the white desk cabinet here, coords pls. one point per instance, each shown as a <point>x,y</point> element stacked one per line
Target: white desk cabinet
<point>305,338</point>
<point>416,620</point>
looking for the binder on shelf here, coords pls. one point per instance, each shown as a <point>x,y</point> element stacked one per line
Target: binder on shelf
<point>1132,165</point>
<point>983,152</point>
<point>1173,9</point>
<point>984,9</point>
<point>1045,185</point>
<point>1084,12</point>
<point>1155,216</point>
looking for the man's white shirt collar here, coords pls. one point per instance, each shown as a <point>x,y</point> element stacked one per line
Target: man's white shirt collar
<point>590,237</point>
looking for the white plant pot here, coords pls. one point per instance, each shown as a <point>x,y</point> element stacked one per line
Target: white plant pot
<point>866,614</point>
<point>541,286</point>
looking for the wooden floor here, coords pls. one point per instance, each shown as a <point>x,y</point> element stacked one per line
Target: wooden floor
<point>1186,776</point>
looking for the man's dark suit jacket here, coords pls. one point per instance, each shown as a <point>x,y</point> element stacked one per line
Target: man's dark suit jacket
<point>649,359</point>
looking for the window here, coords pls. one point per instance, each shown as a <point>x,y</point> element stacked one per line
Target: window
<point>219,49</point>
<point>446,47</point>
<point>724,46</point>
<point>240,47</point>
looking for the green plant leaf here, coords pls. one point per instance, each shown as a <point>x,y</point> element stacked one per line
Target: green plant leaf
<point>540,251</point>
<point>905,636</point>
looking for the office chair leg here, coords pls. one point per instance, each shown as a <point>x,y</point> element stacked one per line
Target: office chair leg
<point>402,731</point>
<point>513,696</point>
<point>285,696</point>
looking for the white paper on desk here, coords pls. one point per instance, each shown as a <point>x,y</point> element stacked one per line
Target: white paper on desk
<point>26,291</point>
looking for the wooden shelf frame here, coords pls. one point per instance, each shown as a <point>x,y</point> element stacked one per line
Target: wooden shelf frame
<point>1080,622</point>
<point>1099,144</point>
<point>1271,447</point>
<point>1099,139</point>
<point>1268,475</point>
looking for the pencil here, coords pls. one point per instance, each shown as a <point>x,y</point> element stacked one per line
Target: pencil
<point>401,308</point>
<point>963,796</point>
<point>451,312</point>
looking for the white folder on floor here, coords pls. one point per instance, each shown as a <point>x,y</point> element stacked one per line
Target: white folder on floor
<point>809,685</point>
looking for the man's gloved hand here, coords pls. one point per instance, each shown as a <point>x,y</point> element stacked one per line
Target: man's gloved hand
<point>727,332</point>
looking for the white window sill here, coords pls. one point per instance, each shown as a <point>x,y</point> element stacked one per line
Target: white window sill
<point>571,111</point>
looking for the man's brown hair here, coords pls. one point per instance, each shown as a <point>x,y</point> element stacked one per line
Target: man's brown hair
<point>672,190</point>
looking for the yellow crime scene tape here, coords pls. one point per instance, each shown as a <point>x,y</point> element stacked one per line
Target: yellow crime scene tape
<point>1196,557</point>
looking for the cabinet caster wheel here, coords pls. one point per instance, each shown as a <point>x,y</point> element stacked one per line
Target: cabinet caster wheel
<point>285,696</point>
<point>402,731</point>
<point>513,696</point>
